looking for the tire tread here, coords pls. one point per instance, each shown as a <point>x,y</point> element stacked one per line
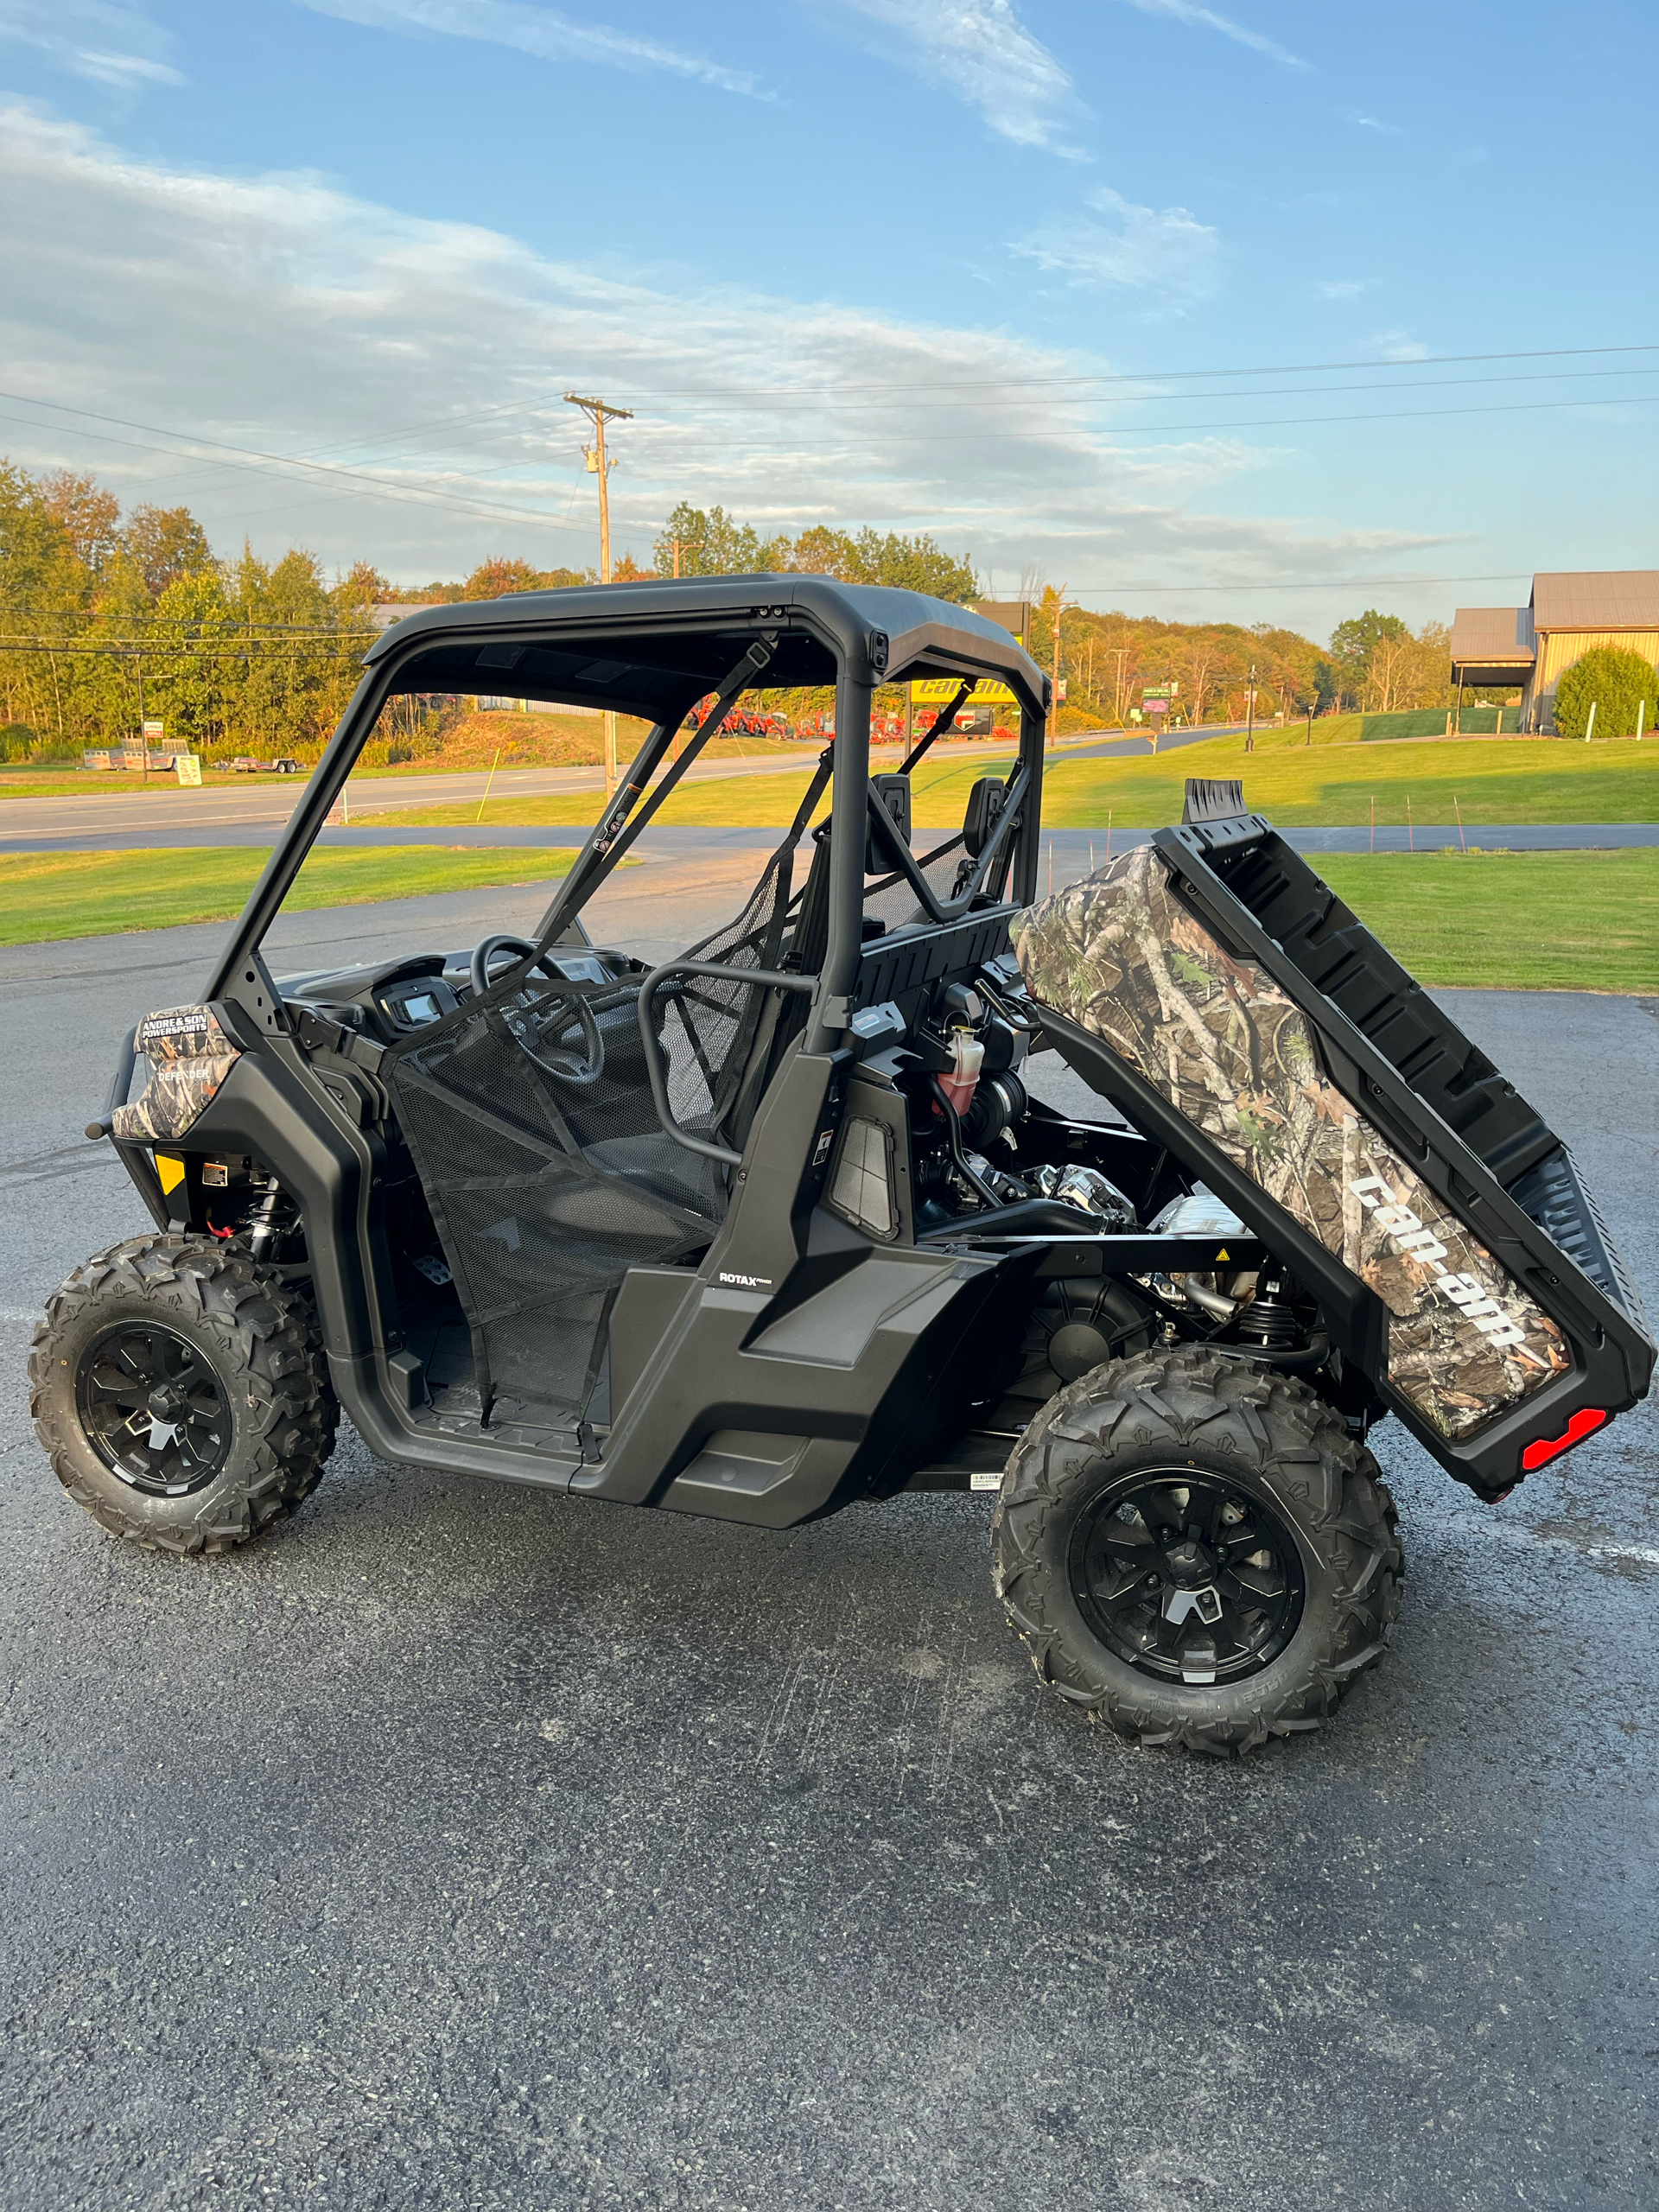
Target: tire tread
<point>1270,1419</point>
<point>265,1330</point>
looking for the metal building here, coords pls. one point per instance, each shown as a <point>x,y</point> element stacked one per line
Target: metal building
<point>1568,614</point>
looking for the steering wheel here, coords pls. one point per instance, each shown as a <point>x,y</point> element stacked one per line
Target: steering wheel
<point>485,950</point>
<point>535,1028</point>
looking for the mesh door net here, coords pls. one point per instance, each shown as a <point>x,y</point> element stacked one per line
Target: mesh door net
<point>545,1190</point>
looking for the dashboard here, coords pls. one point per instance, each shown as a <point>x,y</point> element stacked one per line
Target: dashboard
<point>392,1000</point>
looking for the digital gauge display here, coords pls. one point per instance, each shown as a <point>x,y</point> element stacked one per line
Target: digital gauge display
<point>424,1008</point>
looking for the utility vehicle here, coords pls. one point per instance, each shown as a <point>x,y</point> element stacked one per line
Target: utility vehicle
<point>783,1225</point>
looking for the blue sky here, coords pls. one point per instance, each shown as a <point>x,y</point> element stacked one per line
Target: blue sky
<point>1064,284</point>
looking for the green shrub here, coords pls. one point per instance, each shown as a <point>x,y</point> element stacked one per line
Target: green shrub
<point>17,741</point>
<point>1613,682</point>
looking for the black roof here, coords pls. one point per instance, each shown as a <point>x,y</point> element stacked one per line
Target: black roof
<point>654,648</point>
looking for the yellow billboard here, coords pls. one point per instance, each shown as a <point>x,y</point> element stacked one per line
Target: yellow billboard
<point>939,692</point>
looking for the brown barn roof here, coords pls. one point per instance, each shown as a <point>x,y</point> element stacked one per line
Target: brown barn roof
<point>1493,636</point>
<point>1597,599</point>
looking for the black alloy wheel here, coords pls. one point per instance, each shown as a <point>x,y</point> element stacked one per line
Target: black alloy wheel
<point>1195,1551</point>
<point>1188,1577</point>
<point>153,1408</point>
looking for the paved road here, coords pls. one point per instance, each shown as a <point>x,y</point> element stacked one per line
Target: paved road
<point>140,815</point>
<point>465,1849</point>
<point>1491,837</point>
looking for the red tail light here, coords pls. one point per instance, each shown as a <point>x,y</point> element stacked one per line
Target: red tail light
<point>1543,1449</point>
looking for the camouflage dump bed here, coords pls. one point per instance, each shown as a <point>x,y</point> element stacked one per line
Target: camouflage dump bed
<point>1215,989</point>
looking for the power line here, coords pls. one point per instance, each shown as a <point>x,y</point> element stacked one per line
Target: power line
<point>490,417</point>
<point>254,459</point>
<point>1148,430</point>
<point>1144,376</point>
<point>247,456</point>
<point>1243,584</point>
<point>1270,391</point>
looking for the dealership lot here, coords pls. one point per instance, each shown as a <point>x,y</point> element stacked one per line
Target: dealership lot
<point>465,1847</point>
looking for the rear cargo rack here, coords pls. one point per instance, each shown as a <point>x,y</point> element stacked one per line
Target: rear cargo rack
<point>1509,1190</point>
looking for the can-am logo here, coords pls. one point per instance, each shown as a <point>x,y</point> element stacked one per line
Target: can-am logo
<point>1420,1244</point>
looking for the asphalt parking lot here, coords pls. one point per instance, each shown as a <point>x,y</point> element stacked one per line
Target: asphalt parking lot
<point>464,1848</point>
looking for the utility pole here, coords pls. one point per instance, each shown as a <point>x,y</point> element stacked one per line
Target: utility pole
<point>599,413</point>
<point>1120,654</point>
<point>1249,741</point>
<point>1054,708</point>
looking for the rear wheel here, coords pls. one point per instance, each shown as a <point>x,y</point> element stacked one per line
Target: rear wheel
<point>182,1394</point>
<point>1195,1551</point>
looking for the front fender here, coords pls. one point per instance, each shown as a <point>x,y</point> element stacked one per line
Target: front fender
<point>263,1108</point>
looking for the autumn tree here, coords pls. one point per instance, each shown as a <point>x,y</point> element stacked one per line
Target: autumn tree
<point>89,517</point>
<point>695,543</point>
<point>494,579</point>
<point>165,543</point>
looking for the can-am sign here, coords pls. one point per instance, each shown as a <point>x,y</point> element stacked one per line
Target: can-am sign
<point>939,692</point>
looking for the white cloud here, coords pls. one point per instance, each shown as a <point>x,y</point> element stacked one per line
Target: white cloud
<point>543,32</point>
<point>1397,345</point>
<point>1186,11</point>
<point>105,39</point>
<point>280,314</point>
<point>1375,123</point>
<point>1165,251</point>
<point>1343,288</point>
<point>979,50</point>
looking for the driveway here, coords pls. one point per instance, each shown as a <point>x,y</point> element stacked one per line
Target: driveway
<point>465,1847</point>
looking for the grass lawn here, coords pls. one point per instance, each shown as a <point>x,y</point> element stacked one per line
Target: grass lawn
<point>1510,921</point>
<point>1494,780</point>
<point>1490,779</point>
<point>98,783</point>
<point>88,894</point>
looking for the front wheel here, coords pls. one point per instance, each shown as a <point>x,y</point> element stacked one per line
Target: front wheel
<point>181,1393</point>
<point>1195,1551</point>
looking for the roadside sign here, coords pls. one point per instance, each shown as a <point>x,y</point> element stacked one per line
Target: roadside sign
<point>154,733</point>
<point>188,767</point>
<point>1156,706</point>
<point>939,692</point>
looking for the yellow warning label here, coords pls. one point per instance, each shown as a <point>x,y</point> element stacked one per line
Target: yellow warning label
<point>1220,1256</point>
<point>170,1168</point>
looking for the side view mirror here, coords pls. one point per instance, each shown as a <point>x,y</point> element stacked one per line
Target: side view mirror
<point>985,803</point>
<point>892,795</point>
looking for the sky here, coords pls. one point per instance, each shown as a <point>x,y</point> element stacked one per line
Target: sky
<point>1266,313</point>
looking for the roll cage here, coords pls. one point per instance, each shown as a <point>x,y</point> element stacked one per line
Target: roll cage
<point>652,650</point>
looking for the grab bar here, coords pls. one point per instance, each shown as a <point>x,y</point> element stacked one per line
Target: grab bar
<point>765,978</point>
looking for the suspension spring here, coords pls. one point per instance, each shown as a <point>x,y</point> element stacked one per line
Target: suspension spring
<point>1269,1320</point>
<point>263,1221</point>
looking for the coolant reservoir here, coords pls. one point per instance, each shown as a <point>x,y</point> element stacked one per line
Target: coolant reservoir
<point>959,1084</point>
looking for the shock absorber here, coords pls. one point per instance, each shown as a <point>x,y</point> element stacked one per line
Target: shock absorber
<point>263,1221</point>
<point>1269,1320</point>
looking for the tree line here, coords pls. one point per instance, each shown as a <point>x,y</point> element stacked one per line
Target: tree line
<point>105,617</point>
<point>1373,662</point>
